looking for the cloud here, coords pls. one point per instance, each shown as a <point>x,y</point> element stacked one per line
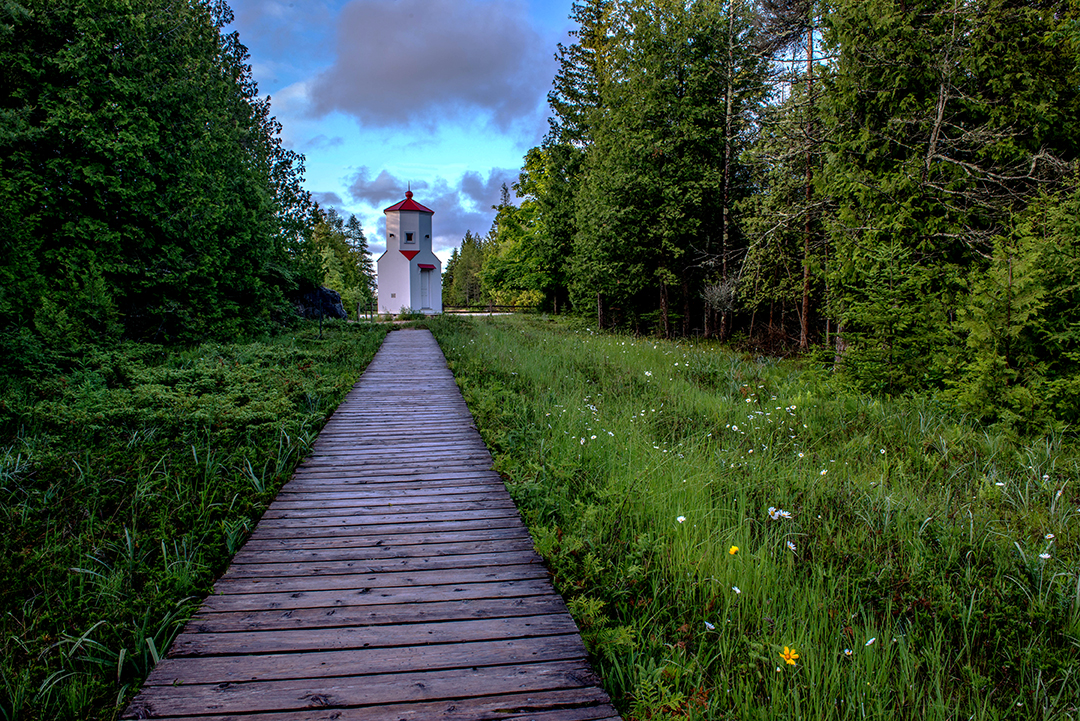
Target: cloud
<point>297,29</point>
<point>461,206</point>
<point>384,188</point>
<point>321,142</point>
<point>327,199</point>
<point>406,61</point>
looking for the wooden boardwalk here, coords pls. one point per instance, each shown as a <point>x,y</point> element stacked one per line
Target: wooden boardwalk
<point>391,578</point>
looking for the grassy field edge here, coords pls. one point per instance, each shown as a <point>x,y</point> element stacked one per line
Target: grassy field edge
<point>745,538</point>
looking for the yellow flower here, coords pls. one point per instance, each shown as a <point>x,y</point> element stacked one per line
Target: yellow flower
<point>733,550</point>
<point>789,655</point>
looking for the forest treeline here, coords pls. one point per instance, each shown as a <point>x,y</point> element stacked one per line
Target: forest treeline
<point>891,185</point>
<point>145,193</point>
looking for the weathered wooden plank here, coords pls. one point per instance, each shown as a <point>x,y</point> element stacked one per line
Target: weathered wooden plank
<point>423,452</point>
<point>206,643</point>
<point>576,704</point>
<point>373,661</point>
<point>315,485</point>
<point>405,475</point>
<point>381,565</point>
<point>374,615</point>
<point>377,519</point>
<point>389,540</point>
<point>483,574</point>
<point>387,468</point>
<point>399,507</point>
<point>366,595</point>
<point>394,497</point>
<point>454,488</point>
<point>376,550</point>
<point>279,531</point>
<point>347,691</point>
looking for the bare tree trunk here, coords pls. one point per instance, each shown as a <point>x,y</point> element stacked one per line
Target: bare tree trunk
<point>727,148</point>
<point>804,329</point>
<point>686,307</point>
<point>664,310</point>
<point>942,101</point>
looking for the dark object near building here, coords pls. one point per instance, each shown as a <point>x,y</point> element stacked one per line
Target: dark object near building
<point>321,303</point>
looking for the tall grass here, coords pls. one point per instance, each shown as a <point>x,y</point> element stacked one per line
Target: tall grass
<point>709,515</point>
<point>126,484</point>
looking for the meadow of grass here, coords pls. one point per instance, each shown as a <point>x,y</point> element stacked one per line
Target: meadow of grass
<point>128,479</point>
<point>747,538</point>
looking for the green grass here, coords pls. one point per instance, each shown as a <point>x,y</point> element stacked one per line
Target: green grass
<point>126,484</point>
<point>929,568</point>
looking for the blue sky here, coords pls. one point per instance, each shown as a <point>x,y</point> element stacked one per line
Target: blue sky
<point>446,94</point>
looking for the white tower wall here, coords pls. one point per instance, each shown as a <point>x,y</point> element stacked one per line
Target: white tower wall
<point>410,274</point>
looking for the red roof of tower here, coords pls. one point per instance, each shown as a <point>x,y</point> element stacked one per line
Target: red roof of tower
<point>409,204</point>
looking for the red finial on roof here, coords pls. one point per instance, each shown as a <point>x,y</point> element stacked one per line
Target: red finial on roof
<point>408,204</point>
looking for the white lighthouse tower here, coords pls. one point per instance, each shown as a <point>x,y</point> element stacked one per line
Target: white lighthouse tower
<point>410,274</point>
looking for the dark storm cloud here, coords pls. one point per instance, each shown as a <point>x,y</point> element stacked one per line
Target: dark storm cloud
<point>465,205</point>
<point>400,61</point>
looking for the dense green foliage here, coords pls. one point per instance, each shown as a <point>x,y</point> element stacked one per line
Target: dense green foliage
<point>340,251</point>
<point>704,512</point>
<point>127,483</point>
<point>144,191</point>
<point>461,279</point>
<point>885,181</point>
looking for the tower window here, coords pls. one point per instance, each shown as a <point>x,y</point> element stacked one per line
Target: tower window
<point>408,238</point>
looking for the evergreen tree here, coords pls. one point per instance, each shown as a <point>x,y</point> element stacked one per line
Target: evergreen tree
<point>340,250</point>
<point>354,233</point>
<point>1020,363</point>
<point>143,185</point>
<point>943,132</point>
<point>547,185</point>
<point>575,95</point>
<point>462,286</point>
<point>656,181</point>
<point>512,275</point>
<point>792,25</point>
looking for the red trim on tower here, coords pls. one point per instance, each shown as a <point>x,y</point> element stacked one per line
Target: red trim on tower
<point>425,266</point>
<point>409,204</point>
<point>410,254</point>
